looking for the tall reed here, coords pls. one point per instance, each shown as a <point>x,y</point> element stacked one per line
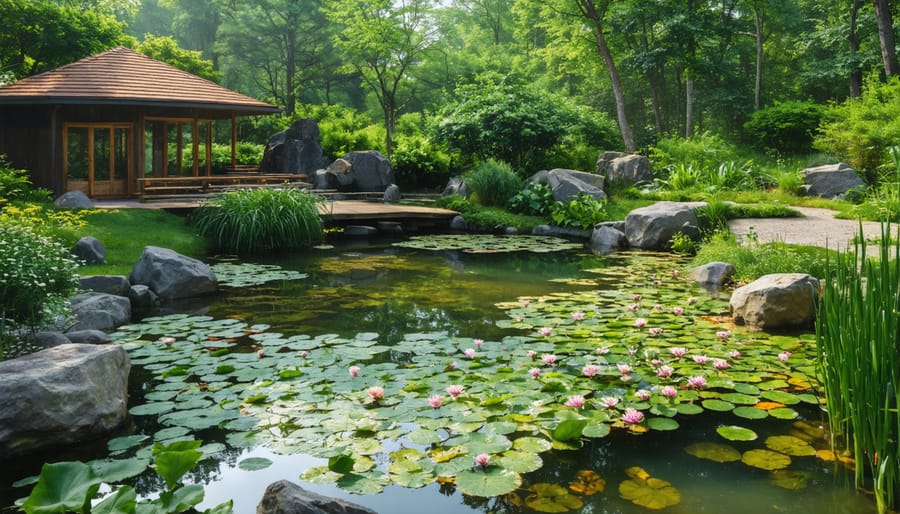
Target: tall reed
<point>858,341</point>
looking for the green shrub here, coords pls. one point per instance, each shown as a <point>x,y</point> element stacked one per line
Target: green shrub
<point>418,163</point>
<point>536,199</point>
<point>702,151</point>
<point>250,221</point>
<point>489,219</point>
<point>493,183</point>
<point>38,278</point>
<point>15,186</point>
<point>581,212</point>
<point>861,130</point>
<point>245,154</point>
<point>786,128</point>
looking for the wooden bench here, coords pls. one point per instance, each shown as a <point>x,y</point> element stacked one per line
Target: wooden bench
<point>154,187</point>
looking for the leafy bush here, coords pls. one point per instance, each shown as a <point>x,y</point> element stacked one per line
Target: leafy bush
<point>245,153</point>
<point>581,212</point>
<point>39,276</point>
<point>786,128</point>
<point>418,162</point>
<point>489,219</point>
<point>862,129</point>
<point>702,151</point>
<point>341,129</point>
<point>16,186</point>
<point>493,183</point>
<point>249,221</point>
<point>535,199</point>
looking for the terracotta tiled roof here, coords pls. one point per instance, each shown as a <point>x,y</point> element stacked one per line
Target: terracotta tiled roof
<point>124,77</point>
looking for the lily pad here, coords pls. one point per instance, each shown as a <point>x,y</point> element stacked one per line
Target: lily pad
<point>750,412</point>
<point>790,445</point>
<point>765,459</point>
<point>716,452</point>
<point>792,480</point>
<point>493,481</point>
<point>646,491</point>
<point>551,498</point>
<point>736,433</point>
<point>254,463</point>
<point>662,424</point>
<point>784,413</point>
<point>486,243</point>
<point>587,482</point>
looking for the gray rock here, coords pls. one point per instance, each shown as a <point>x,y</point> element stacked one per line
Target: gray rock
<point>90,250</point>
<point>74,200</point>
<point>100,311</point>
<point>652,227</point>
<point>831,180</point>
<point>285,497</point>
<point>456,186</point>
<point>360,231</point>
<point>144,301</point>
<point>712,276</point>
<point>624,168</point>
<point>391,194</point>
<point>295,150</point>
<point>110,284</point>
<point>605,239</point>
<point>510,231</point>
<point>50,338</point>
<point>171,275</point>
<point>555,231</point>
<point>780,300</point>
<point>618,225</point>
<point>370,170</point>
<point>569,184</point>
<point>62,396</point>
<point>89,337</point>
<point>323,179</point>
<point>458,223</point>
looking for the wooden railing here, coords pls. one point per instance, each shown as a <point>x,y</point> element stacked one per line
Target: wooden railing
<point>186,187</point>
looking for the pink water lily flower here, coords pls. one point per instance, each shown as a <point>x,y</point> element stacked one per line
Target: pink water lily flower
<point>590,370</point>
<point>376,393</point>
<point>633,307</point>
<point>636,298</point>
<point>625,378</point>
<point>469,353</point>
<point>678,352</point>
<point>632,416</point>
<point>657,307</point>
<point>526,303</point>
<point>167,340</point>
<point>723,334</point>
<point>532,354</point>
<point>534,372</point>
<point>609,401</point>
<point>576,401</point>
<point>692,300</point>
<point>623,368</point>
<point>602,350</point>
<point>545,331</point>
<point>720,364</point>
<point>701,359</point>
<point>578,316</point>
<point>260,354</point>
<point>655,331</point>
<point>678,311</point>
<point>640,323</point>
<point>668,391</point>
<point>734,354</point>
<point>642,394</point>
<point>784,356</point>
<point>478,342</point>
<point>455,390</point>
<point>664,371</point>
<point>482,460</point>
<point>435,401</point>
<point>354,371</point>
<point>549,359</point>
<point>303,354</point>
<point>696,381</point>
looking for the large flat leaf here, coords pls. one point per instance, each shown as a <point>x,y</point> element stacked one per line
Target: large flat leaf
<point>62,487</point>
<point>493,481</point>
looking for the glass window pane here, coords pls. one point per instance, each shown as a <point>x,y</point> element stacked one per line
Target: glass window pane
<point>77,153</point>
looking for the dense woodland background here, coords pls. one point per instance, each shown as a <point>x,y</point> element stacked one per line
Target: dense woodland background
<point>441,84</point>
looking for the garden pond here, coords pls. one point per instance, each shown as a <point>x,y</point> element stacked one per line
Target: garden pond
<point>478,374</point>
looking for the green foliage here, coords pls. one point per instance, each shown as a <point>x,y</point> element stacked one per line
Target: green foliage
<point>493,183</point>
<point>862,129</point>
<point>342,129</point>
<point>683,244</point>
<point>39,275</point>
<point>857,331</point>
<point>535,199</point>
<point>166,49</point>
<point>248,221</point>
<point>15,186</point>
<point>786,128</point>
<point>72,486</point>
<point>489,219</point>
<point>417,161</point>
<point>582,212</point>
<point>703,151</point>
<point>245,153</point>
<point>504,120</point>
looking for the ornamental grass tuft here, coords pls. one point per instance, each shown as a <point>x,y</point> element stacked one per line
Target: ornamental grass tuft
<point>248,221</point>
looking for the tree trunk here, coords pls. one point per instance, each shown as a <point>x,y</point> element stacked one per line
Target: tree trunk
<point>627,138</point>
<point>855,73</point>
<point>290,95</point>
<point>757,92</point>
<point>689,106</point>
<point>886,35</point>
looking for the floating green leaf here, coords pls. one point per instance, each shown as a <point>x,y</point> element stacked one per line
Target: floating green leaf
<point>750,412</point>
<point>736,433</point>
<point>486,243</point>
<point>254,463</point>
<point>783,413</point>
<point>587,482</point>
<point>493,481</point>
<point>551,498</point>
<point>717,452</point>
<point>662,424</point>
<point>63,487</point>
<point>765,459</point>
<point>646,491</point>
<point>790,445</point>
<point>569,429</point>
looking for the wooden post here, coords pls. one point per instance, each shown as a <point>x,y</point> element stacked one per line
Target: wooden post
<point>208,148</point>
<point>233,141</point>
<point>195,147</point>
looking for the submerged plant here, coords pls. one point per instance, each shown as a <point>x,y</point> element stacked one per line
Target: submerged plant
<point>858,342</point>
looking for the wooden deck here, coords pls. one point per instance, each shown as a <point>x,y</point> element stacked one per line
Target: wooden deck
<point>338,212</point>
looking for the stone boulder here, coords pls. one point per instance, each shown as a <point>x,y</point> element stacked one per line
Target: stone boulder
<point>831,180</point>
<point>100,311</point>
<point>369,170</point>
<point>90,250</point>
<point>623,168</point>
<point>391,194</point>
<point>652,227</point>
<point>49,339</point>
<point>144,301</point>
<point>569,184</point>
<point>171,275</point>
<point>607,237</point>
<point>285,497</point>
<point>110,284</point>
<point>458,224</point>
<point>295,150</point>
<point>456,186</point>
<point>62,396</point>
<point>712,276</point>
<point>89,337</point>
<point>74,200</point>
<point>335,176</point>
<point>780,300</point>
<point>564,232</point>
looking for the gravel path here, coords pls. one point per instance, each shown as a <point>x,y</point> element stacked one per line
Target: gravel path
<point>817,227</point>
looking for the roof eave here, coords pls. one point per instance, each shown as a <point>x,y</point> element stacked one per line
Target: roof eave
<point>243,109</point>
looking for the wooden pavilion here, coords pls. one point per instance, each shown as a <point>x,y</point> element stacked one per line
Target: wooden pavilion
<point>107,123</point>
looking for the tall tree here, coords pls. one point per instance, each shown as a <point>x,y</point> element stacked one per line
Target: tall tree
<point>166,49</point>
<point>384,41</point>
<point>886,36</point>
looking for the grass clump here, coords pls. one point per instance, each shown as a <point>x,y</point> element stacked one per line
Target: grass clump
<point>858,346</point>
<point>493,183</point>
<point>490,219</point>
<point>252,221</point>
